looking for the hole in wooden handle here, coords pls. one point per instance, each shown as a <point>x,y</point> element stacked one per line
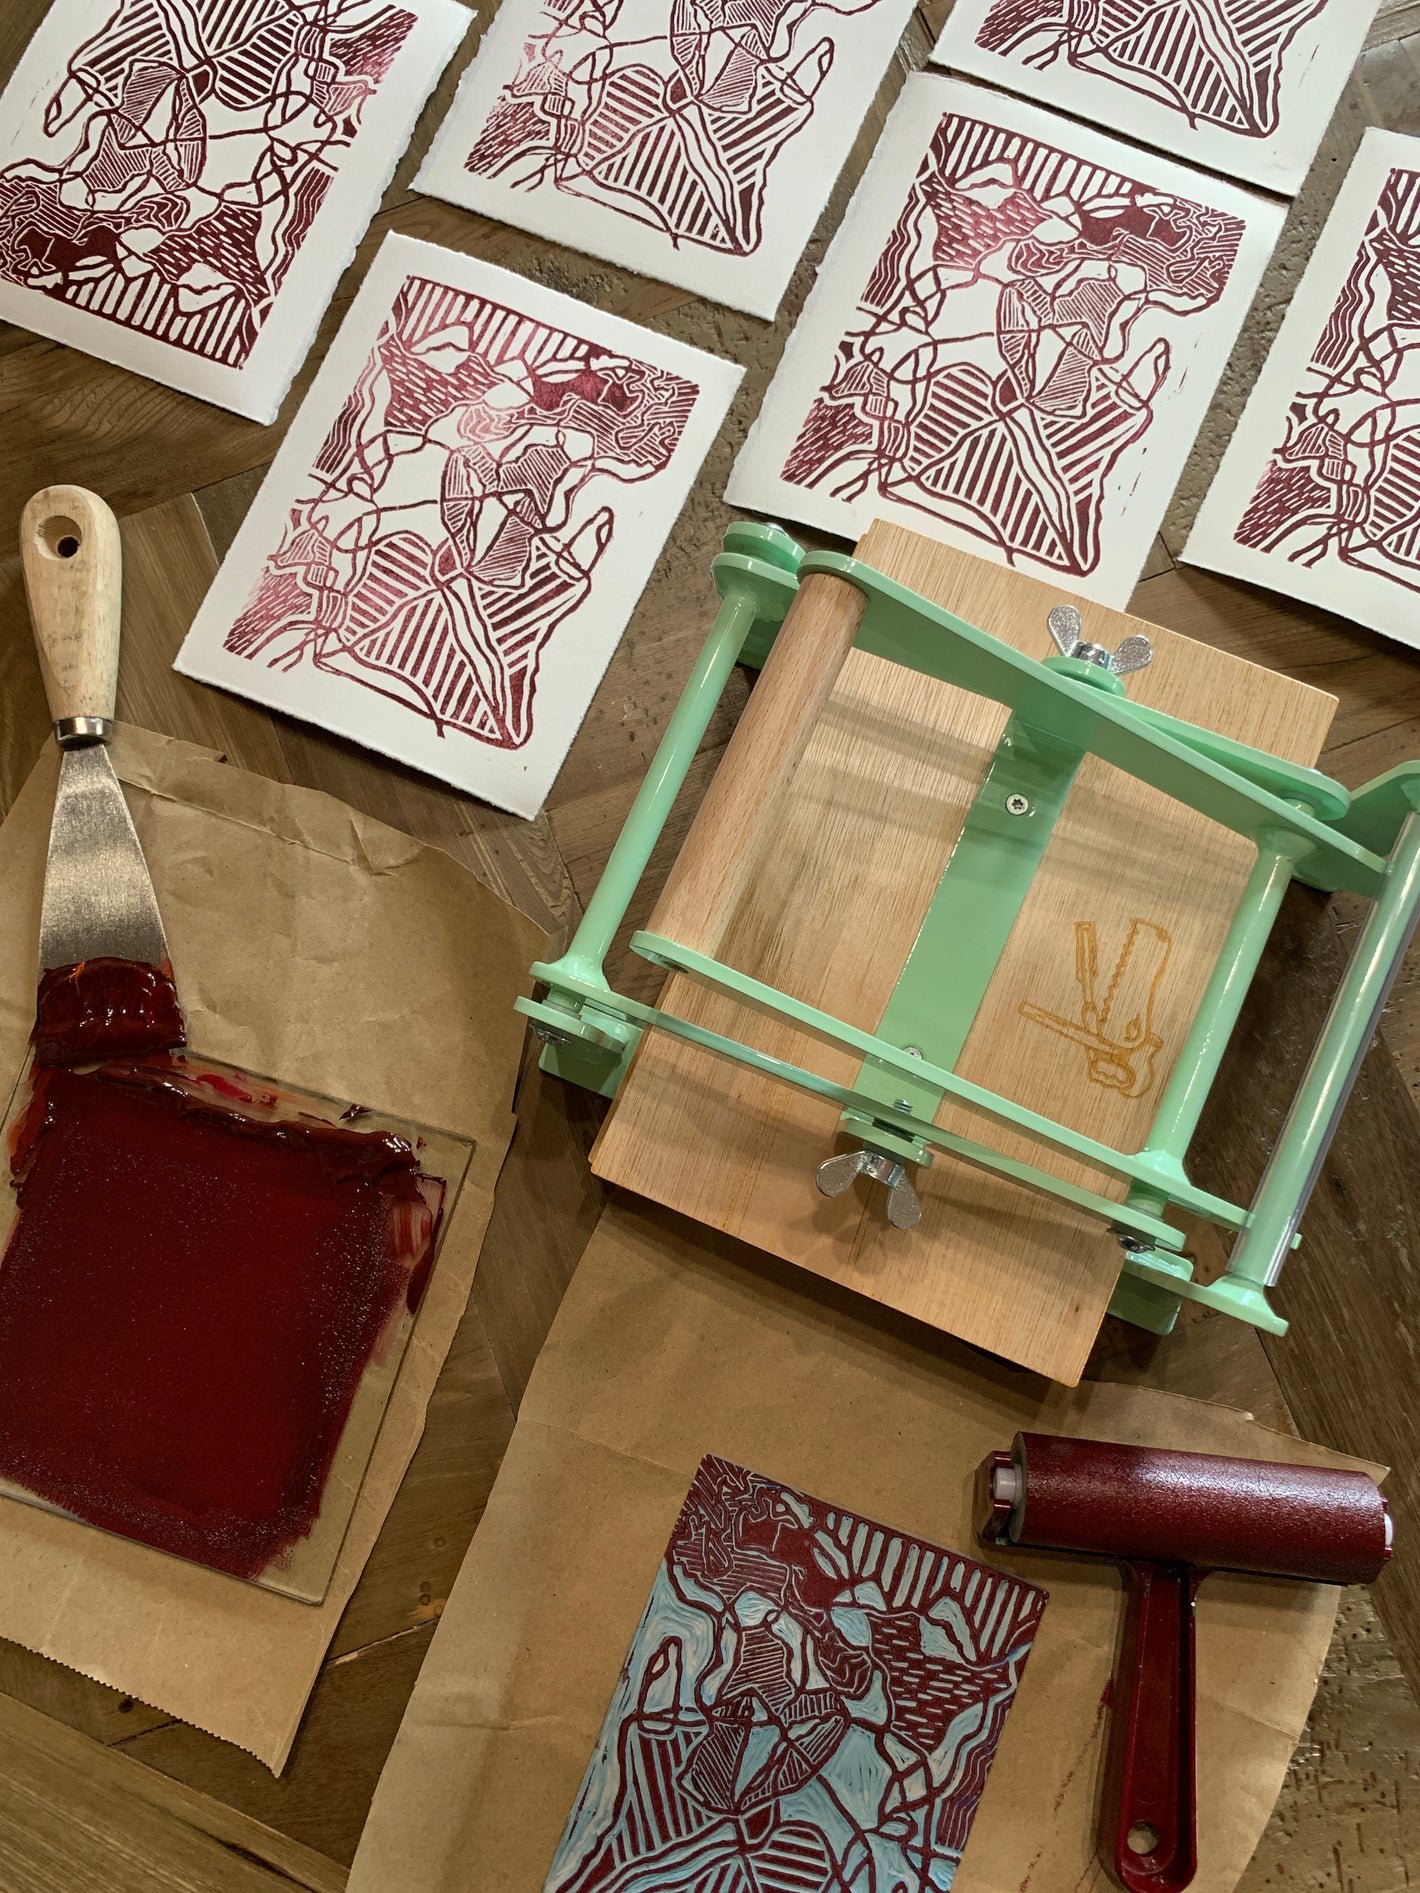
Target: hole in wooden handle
<point>60,536</point>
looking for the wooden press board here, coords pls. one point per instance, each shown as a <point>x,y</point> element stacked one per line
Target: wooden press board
<point>843,866</point>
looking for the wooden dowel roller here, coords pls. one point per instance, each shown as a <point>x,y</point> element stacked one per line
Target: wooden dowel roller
<point>799,674</point>
<point>1171,1518</point>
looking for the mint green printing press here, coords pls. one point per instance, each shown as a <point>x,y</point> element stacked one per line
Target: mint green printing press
<point>1062,707</point>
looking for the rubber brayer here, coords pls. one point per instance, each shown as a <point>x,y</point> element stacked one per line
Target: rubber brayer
<point>1171,1518</point>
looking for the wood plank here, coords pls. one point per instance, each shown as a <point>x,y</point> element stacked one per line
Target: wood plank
<point>547,1206</point>
<point>81,1818</point>
<point>321,1799</point>
<point>845,870</point>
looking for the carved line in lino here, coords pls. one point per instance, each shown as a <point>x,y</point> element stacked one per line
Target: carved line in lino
<point>811,1703</point>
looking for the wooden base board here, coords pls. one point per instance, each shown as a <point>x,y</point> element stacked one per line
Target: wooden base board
<point>846,862</point>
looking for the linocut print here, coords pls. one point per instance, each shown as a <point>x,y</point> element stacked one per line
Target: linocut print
<point>693,140</point>
<point>811,1704</point>
<point>456,530</point>
<point>1237,86</point>
<point>1020,367</point>
<point>1318,494</point>
<point>182,181</point>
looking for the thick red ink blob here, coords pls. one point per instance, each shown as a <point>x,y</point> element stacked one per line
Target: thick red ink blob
<point>105,1009</point>
<point>188,1299</point>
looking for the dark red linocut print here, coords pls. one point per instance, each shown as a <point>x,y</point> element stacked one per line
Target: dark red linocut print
<point>187,149</point>
<point>458,510</point>
<point>105,1008</point>
<point>1343,483</point>
<point>1214,62</point>
<point>188,1299</point>
<point>1012,342</point>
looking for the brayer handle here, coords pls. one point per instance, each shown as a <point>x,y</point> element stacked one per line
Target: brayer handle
<point>1148,1835</point>
<point>72,558</point>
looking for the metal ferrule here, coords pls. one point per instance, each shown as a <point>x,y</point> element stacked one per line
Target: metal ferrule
<point>73,732</point>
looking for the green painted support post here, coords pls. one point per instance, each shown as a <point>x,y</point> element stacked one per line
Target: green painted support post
<point>1147,1303</point>
<point>756,577</point>
<point>1351,1024</point>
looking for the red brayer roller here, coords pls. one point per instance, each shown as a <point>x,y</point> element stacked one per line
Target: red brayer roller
<point>1171,1518</point>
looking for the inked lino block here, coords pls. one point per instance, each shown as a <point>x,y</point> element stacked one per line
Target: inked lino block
<point>810,1700</point>
<point>1126,914</point>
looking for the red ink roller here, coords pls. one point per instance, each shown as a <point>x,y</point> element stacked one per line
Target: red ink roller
<point>1171,1518</point>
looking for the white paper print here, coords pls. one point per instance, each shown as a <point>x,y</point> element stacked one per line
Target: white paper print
<point>451,540</point>
<point>1239,86</point>
<point>1318,494</point>
<point>183,181</point>
<point>1011,343</point>
<point>693,140</point>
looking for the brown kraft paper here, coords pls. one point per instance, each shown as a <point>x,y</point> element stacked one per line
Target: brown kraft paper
<point>674,1342</point>
<point>323,949</point>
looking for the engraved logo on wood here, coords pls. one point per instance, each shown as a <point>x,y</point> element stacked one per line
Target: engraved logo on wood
<point>1116,1032</point>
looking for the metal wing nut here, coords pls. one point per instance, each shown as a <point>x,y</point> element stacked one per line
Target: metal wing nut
<point>1063,623</point>
<point>840,1173</point>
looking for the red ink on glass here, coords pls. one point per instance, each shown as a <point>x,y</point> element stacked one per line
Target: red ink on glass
<point>189,1298</point>
<point>104,1008</point>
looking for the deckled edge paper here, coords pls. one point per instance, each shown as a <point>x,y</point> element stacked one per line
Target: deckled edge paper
<point>1138,483</point>
<point>315,945</point>
<point>809,1694</point>
<point>588,549</point>
<point>1352,457</point>
<point>1292,92</point>
<point>256,388</point>
<point>672,1342</point>
<point>799,178</point>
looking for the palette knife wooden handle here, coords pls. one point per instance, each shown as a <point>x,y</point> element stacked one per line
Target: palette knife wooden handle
<point>73,563</point>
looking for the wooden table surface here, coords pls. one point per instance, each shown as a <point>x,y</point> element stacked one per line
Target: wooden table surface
<point>104,1792</point>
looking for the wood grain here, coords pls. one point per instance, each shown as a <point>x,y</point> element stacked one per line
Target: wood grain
<point>846,863</point>
<point>78,1817</point>
<point>71,555</point>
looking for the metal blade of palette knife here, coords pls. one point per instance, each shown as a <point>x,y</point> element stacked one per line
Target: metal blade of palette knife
<point>98,897</point>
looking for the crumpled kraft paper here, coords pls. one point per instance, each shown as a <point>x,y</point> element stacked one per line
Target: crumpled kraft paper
<point>673,1342</point>
<point>318,947</point>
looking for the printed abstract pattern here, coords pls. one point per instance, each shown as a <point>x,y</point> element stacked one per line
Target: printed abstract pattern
<point>1344,481</point>
<point>810,1705</point>
<point>1012,341</point>
<point>671,116</point>
<point>202,138</point>
<point>1217,62</point>
<point>458,508</point>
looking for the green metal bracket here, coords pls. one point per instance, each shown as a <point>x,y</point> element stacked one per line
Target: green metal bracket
<point>1062,708</point>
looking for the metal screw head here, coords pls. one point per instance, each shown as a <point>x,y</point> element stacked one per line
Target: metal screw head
<point>1017,805</point>
<point>904,1105</point>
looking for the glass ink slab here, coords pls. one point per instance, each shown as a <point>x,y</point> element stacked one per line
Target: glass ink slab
<point>247,1365</point>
